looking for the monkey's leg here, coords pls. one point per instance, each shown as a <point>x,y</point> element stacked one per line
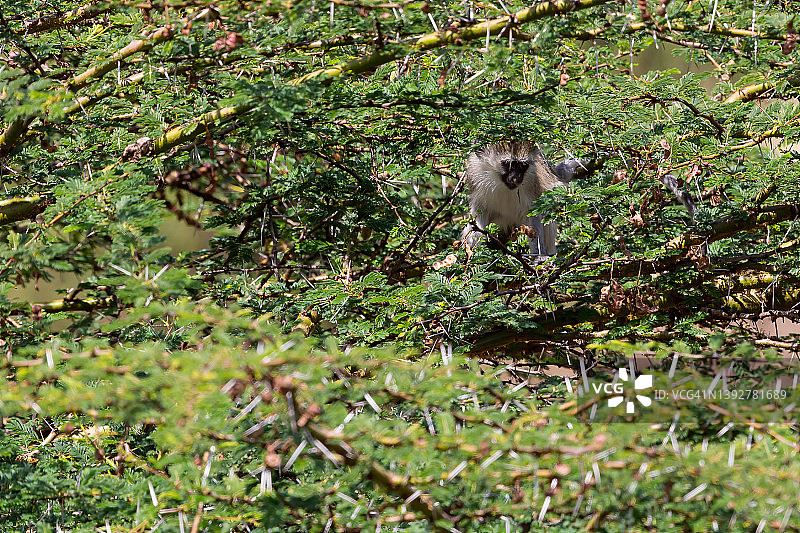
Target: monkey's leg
<point>545,241</point>
<point>533,242</point>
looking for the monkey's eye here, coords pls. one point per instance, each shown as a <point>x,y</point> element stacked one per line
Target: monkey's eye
<point>518,167</point>
<point>506,165</point>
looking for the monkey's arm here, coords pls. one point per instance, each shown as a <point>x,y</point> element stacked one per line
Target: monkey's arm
<point>574,168</point>
<point>567,169</point>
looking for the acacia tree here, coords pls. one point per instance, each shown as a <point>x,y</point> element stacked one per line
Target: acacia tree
<point>322,145</point>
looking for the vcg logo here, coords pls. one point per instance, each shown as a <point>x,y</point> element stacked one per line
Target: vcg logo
<point>642,382</point>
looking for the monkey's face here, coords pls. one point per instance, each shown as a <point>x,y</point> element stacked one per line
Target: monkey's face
<point>512,172</point>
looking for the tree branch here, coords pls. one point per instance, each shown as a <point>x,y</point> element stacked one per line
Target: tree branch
<point>61,20</point>
<point>13,135</point>
<point>438,39</point>
<point>182,134</point>
<point>17,209</point>
<point>730,226</point>
<point>85,304</point>
<point>139,45</point>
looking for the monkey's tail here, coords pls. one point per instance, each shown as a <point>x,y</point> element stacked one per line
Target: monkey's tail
<point>683,197</point>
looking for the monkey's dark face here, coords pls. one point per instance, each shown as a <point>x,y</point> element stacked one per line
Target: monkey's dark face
<point>512,172</point>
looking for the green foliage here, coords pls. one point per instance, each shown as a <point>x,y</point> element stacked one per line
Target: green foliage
<point>247,428</point>
<point>329,360</point>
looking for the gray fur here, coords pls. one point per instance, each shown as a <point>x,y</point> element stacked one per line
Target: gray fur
<point>683,197</point>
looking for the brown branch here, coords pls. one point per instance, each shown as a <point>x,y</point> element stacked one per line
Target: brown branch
<point>652,99</point>
<point>205,195</point>
<point>500,244</point>
<point>708,116</point>
<point>726,32</point>
<point>679,26</point>
<point>425,228</point>
<point>572,259</point>
<point>61,20</point>
<point>84,197</point>
<point>180,213</point>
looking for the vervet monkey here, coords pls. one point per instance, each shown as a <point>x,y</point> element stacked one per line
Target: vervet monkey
<point>503,180</point>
